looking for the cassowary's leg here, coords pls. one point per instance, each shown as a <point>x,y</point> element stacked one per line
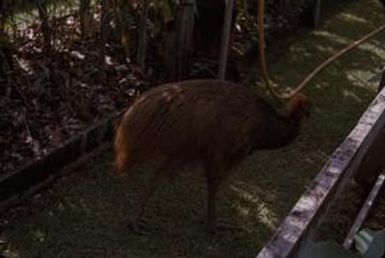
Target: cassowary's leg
<point>149,190</point>
<point>215,176</point>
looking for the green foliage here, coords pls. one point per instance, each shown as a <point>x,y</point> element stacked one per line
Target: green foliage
<point>369,244</point>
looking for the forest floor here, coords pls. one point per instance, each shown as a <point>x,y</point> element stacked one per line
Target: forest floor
<point>82,214</point>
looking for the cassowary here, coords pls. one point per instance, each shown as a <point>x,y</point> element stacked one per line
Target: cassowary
<point>208,123</point>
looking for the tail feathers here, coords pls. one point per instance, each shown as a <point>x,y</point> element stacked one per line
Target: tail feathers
<point>121,162</point>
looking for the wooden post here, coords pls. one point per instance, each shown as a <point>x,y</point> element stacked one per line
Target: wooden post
<point>85,18</point>
<point>317,13</point>
<point>104,25</point>
<point>225,39</point>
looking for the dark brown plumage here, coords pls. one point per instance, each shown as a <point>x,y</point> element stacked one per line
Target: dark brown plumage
<point>209,123</point>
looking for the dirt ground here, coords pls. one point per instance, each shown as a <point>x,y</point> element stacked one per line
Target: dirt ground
<point>82,215</point>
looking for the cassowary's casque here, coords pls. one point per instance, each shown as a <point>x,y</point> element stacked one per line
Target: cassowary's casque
<point>210,123</point>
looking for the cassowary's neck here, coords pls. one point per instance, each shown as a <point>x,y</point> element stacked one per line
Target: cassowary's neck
<point>279,131</point>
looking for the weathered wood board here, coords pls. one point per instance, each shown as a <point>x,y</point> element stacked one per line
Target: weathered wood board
<point>16,185</point>
<point>373,162</point>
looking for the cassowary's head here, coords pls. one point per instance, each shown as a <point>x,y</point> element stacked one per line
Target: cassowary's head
<point>298,106</point>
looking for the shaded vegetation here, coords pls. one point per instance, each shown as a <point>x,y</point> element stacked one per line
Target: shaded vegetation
<point>65,64</point>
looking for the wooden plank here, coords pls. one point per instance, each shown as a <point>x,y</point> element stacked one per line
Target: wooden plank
<point>314,203</point>
<point>28,179</point>
<point>372,164</point>
<point>364,211</point>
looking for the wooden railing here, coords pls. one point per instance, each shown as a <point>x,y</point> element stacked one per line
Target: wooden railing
<point>359,155</point>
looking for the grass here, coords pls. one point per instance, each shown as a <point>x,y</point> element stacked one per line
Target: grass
<point>81,216</point>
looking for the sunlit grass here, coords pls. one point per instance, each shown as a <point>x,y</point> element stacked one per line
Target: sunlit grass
<point>348,17</point>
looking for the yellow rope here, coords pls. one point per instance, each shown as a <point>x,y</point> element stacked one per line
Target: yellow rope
<point>309,77</point>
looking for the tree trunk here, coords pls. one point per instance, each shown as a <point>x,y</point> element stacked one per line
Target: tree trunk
<point>225,39</point>
<point>104,26</point>
<point>6,65</point>
<point>142,42</point>
<point>45,28</point>
<point>317,13</point>
<point>123,22</point>
<point>184,38</point>
<point>85,18</point>
<point>2,18</point>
